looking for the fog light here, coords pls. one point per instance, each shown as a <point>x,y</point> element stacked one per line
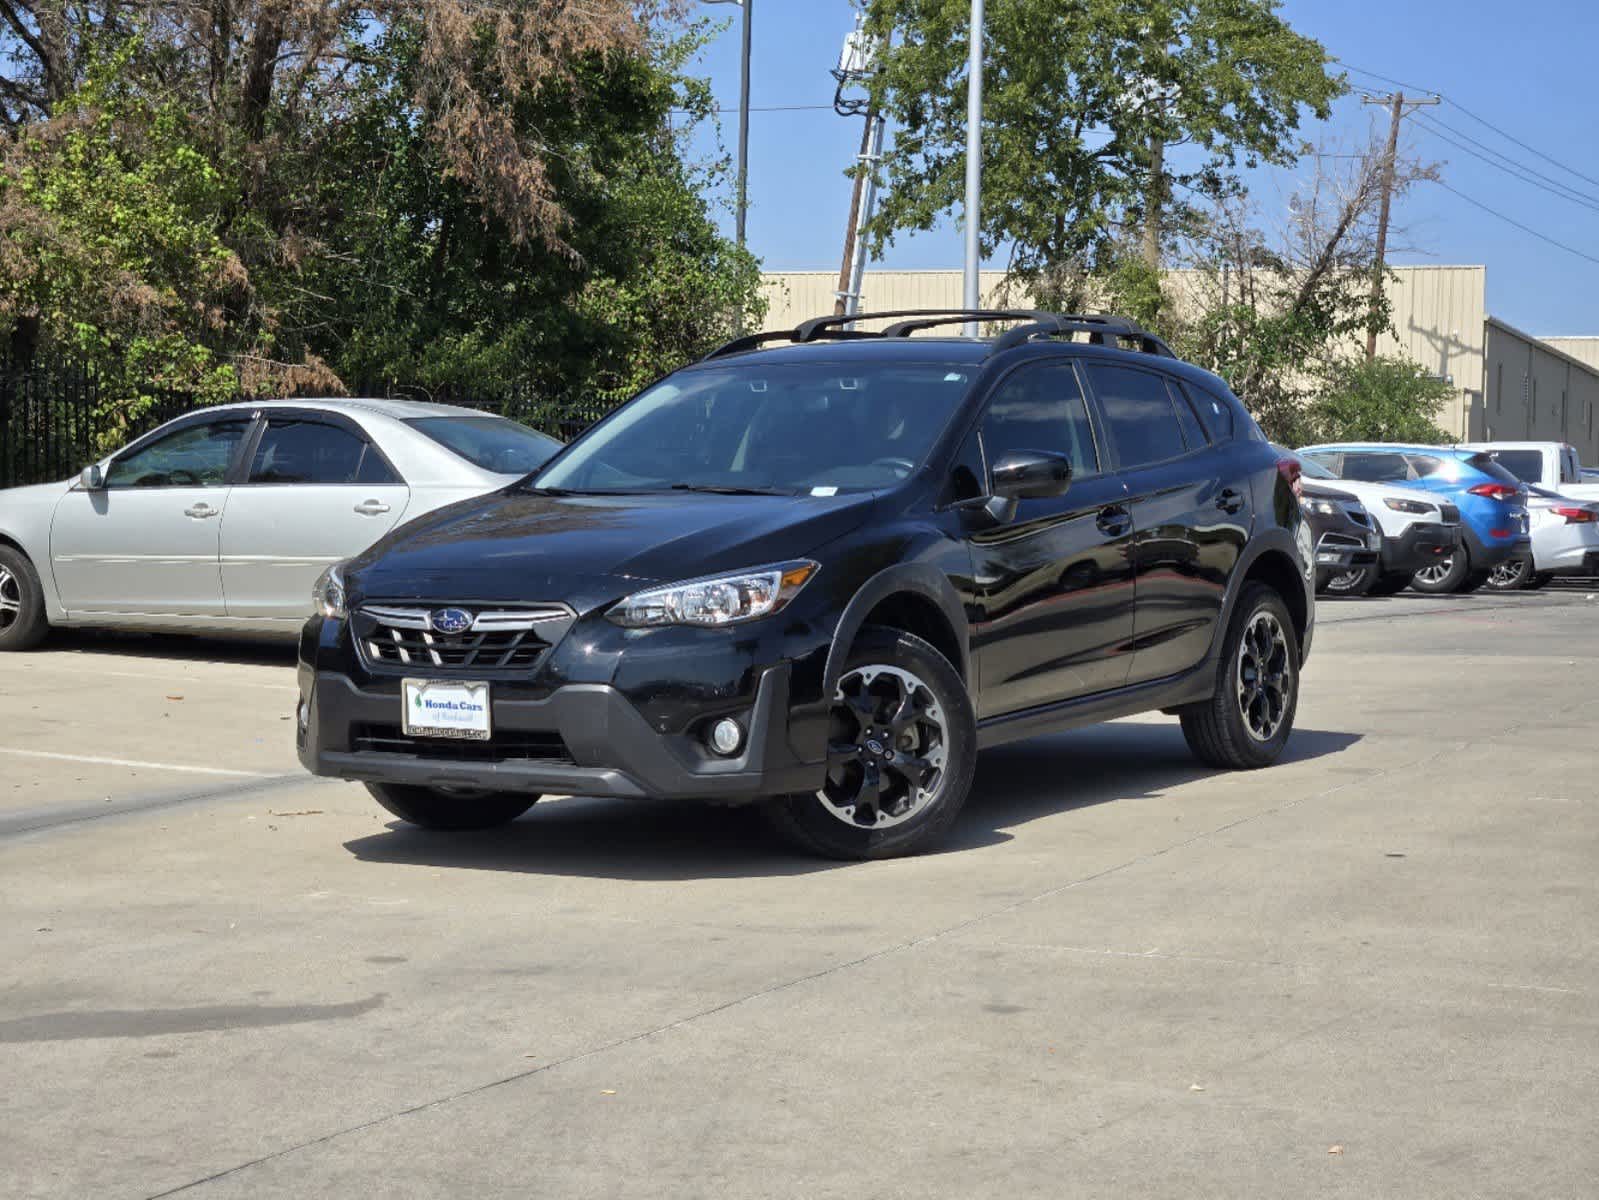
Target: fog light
<point>304,714</point>
<point>726,737</point>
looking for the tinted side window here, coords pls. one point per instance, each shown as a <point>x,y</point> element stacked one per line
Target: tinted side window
<point>1424,464</point>
<point>1192,433</point>
<point>1526,465</point>
<point>194,457</point>
<point>299,451</point>
<point>1041,408</point>
<point>1216,413</point>
<point>1138,412</point>
<point>1375,467</point>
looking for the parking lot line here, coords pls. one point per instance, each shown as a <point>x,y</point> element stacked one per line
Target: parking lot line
<point>129,762</point>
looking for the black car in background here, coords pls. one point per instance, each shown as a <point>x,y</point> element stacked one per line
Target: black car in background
<point>819,571</point>
<point>1346,538</point>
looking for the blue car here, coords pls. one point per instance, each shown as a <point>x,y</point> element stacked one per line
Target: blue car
<point>1492,502</point>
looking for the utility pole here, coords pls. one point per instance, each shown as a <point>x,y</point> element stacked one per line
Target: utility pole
<point>1397,105</point>
<point>855,65</point>
<point>744,126</point>
<point>973,291</point>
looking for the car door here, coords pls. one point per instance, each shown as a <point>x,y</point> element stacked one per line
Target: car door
<point>1191,513</point>
<point>316,490</point>
<point>1052,584</point>
<point>148,541</point>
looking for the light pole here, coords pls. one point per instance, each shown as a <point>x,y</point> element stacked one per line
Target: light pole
<point>974,168</point>
<point>742,207</point>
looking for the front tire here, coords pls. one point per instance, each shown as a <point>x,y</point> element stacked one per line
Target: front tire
<point>452,811</point>
<point>22,620</point>
<point>1349,584</point>
<point>1446,576</point>
<point>1247,722</point>
<point>902,749</point>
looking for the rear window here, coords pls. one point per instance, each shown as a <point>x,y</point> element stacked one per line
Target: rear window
<point>1486,464</point>
<point>1525,465</point>
<point>493,443</point>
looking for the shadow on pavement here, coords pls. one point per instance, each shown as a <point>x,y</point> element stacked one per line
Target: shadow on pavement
<point>668,840</point>
<point>174,647</point>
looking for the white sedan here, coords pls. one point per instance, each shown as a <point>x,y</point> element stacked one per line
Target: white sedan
<point>1565,541</point>
<point>221,520</point>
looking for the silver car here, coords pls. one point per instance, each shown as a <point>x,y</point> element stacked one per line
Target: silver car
<point>222,519</point>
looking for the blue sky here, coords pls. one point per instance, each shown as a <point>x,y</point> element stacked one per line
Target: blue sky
<point>1536,78</point>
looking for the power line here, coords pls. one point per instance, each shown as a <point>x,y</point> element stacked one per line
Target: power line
<point>1509,137</point>
<point>1493,212</point>
<point>1514,169</point>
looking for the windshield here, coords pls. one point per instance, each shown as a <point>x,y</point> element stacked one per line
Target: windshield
<point>1310,467</point>
<point>817,428</point>
<point>493,443</point>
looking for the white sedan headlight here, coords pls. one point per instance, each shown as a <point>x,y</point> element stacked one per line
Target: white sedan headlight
<point>718,600</point>
<point>327,596</point>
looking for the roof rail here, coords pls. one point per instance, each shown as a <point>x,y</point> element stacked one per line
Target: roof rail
<point>1102,328</point>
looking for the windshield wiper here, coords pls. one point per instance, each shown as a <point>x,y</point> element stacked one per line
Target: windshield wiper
<point>718,489</point>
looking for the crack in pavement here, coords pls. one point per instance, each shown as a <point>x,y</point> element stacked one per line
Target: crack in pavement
<point>37,820</point>
<point>838,968</point>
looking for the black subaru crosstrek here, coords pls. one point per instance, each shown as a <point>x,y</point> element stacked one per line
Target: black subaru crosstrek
<point>819,571</point>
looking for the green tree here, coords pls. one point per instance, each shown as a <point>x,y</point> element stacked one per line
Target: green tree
<point>1076,94</point>
<point>1381,400</point>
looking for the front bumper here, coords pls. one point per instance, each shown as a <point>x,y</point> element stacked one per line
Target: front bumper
<point>605,746</point>
<point>1421,545</point>
<point>1338,552</point>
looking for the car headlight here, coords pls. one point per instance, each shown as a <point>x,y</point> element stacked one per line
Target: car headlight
<point>718,600</point>
<point>1409,506</point>
<point>327,597</point>
<point>1325,508</point>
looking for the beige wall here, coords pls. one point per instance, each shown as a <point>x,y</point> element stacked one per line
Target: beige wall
<point>1583,349</point>
<point>1438,315</point>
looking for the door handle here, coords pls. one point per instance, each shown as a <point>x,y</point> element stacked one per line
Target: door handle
<point>201,511</point>
<point>371,508</point>
<point>1114,521</point>
<point>1230,501</point>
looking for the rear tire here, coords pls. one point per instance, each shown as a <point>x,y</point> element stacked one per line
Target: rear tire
<point>1512,575</point>
<point>453,811</point>
<point>902,749</point>
<point>1445,576</point>
<point>1247,722</point>
<point>22,620</point>
<point>1389,585</point>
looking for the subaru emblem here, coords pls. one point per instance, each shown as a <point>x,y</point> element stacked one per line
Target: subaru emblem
<point>450,621</point>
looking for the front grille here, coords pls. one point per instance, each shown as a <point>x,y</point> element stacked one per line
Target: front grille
<point>510,745</point>
<point>1451,514</point>
<point>404,638</point>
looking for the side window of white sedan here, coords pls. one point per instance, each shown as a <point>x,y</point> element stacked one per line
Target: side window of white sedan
<point>293,450</point>
<point>197,456</point>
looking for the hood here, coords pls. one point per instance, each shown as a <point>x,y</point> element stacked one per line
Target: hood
<point>587,550</point>
<point>1325,491</point>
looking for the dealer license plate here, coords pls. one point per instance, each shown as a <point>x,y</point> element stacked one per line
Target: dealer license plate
<point>446,709</point>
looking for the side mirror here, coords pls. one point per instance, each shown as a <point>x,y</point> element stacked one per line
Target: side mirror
<point>92,478</point>
<point>1032,475</point>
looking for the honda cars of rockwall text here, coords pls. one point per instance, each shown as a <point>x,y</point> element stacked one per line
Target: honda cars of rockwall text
<point>818,571</point>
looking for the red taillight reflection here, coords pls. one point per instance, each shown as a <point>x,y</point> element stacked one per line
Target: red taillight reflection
<point>1291,471</point>
<point>1576,516</point>
<point>1496,491</point>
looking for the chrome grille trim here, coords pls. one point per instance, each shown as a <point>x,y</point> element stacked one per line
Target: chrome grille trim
<point>393,638</point>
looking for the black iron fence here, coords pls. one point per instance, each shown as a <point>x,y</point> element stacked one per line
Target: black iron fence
<point>56,418</point>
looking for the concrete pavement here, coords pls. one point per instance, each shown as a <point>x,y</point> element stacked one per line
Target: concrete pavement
<point>1367,971</point>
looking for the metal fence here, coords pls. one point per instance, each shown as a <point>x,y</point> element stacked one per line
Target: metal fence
<point>55,417</point>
